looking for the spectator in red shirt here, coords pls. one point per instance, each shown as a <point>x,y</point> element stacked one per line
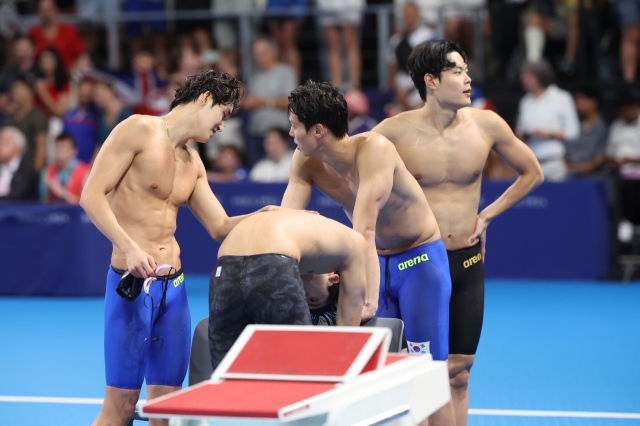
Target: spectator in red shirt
<point>64,179</point>
<point>52,84</point>
<point>65,38</point>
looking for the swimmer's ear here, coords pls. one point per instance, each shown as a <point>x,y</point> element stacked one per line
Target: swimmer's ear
<point>205,98</point>
<point>430,81</point>
<point>319,130</point>
<point>334,278</point>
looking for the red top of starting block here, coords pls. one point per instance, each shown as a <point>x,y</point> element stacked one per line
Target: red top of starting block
<point>299,353</point>
<point>264,352</point>
<point>231,398</point>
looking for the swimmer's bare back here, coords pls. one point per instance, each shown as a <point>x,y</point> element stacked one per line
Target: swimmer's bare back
<point>404,220</point>
<point>138,181</point>
<point>448,164</point>
<point>320,245</point>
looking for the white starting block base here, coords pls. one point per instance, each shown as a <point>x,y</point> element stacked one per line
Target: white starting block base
<point>402,390</point>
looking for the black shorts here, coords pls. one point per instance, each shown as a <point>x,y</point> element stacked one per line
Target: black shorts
<point>466,308</point>
<point>260,289</point>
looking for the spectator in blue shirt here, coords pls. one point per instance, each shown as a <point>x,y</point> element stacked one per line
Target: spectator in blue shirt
<point>82,122</point>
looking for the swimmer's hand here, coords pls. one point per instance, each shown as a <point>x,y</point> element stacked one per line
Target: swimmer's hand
<point>140,264</point>
<point>480,233</point>
<point>368,312</point>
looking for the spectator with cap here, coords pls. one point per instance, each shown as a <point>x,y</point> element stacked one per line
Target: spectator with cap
<point>357,113</point>
<point>111,110</point>
<point>30,120</point>
<point>81,122</point>
<point>587,152</point>
<point>623,146</point>
<point>65,38</point>
<point>227,167</point>
<point>275,166</point>
<point>64,178</point>
<point>18,178</point>
<point>267,95</point>
<point>547,119</point>
<point>399,47</point>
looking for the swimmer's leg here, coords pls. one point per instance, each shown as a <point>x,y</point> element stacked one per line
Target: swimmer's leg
<point>170,343</point>
<point>424,290</point>
<point>465,323</point>
<point>118,407</point>
<point>227,317</point>
<point>387,298</point>
<point>126,325</point>
<point>156,391</point>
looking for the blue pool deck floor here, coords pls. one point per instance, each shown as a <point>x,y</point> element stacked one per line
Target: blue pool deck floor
<point>561,353</point>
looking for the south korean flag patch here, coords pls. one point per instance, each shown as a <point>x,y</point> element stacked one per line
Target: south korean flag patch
<point>417,347</point>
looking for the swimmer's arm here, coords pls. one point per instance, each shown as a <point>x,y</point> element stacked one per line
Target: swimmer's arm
<point>353,288</point>
<point>300,186</point>
<point>389,129</point>
<point>376,164</point>
<point>520,158</point>
<point>111,163</point>
<point>206,207</point>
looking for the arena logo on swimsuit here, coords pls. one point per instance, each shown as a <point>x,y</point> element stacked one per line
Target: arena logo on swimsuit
<point>474,259</point>
<point>411,262</point>
<point>178,280</point>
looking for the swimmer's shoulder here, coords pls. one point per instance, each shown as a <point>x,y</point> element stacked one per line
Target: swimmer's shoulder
<point>488,122</point>
<point>373,144</point>
<point>133,132</point>
<point>394,128</point>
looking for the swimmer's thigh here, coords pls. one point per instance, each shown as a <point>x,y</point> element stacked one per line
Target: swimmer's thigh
<point>387,297</point>
<point>424,306</point>
<point>466,310</point>
<point>169,354</point>
<point>126,326</point>
<point>274,291</point>
<point>227,317</point>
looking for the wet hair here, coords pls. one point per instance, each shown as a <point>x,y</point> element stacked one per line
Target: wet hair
<point>541,70</point>
<point>224,88</point>
<point>430,57</point>
<point>59,73</point>
<point>66,137</point>
<point>590,91</point>
<point>329,312</point>
<point>320,103</point>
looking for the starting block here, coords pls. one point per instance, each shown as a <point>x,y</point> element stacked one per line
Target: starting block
<point>310,376</point>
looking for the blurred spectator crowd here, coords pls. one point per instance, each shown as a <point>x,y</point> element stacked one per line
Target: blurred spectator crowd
<point>59,100</point>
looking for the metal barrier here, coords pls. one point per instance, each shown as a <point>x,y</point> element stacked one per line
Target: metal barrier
<point>383,13</point>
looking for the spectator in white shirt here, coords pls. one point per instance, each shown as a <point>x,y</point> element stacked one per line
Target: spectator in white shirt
<point>275,166</point>
<point>18,178</point>
<point>547,119</point>
<point>623,146</point>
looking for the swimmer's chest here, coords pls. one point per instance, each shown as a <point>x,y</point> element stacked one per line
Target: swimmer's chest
<point>157,174</point>
<point>342,189</point>
<point>433,160</point>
